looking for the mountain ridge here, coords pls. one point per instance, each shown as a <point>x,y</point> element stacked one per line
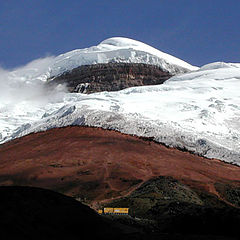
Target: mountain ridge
<point>83,161</point>
<point>197,111</point>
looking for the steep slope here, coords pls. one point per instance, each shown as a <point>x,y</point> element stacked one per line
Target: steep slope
<point>95,165</point>
<point>114,64</point>
<point>110,77</point>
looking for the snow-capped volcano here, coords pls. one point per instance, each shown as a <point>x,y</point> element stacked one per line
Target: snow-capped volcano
<point>198,111</point>
<point>118,49</point>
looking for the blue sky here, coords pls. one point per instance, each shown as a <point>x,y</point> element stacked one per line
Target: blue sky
<point>197,31</point>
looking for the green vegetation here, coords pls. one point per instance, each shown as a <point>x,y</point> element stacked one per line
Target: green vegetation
<point>164,204</point>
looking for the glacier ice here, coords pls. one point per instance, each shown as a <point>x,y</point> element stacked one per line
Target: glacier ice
<point>118,49</point>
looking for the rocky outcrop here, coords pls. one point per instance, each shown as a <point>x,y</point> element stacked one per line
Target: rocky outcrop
<point>110,77</point>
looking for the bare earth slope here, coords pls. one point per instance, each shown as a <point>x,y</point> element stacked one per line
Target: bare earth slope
<point>97,165</point>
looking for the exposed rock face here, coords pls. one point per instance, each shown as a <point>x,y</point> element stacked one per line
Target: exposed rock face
<point>111,77</point>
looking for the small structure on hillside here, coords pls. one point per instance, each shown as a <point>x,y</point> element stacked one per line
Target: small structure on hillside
<point>114,211</point>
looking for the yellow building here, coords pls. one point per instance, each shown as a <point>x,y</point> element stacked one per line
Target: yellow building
<point>120,210</point>
<point>100,211</point>
<point>108,210</point>
<point>117,211</point>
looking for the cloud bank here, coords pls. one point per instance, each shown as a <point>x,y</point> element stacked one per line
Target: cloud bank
<point>27,83</point>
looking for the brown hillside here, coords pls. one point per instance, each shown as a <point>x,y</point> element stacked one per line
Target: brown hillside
<point>95,164</point>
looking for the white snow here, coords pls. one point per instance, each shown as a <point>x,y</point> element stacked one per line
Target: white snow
<point>118,49</point>
<point>198,111</point>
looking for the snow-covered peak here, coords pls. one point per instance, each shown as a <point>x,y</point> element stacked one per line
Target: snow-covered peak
<point>118,49</point>
<point>121,42</point>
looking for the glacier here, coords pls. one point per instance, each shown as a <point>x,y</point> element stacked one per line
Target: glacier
<point>197,111</point>
<point>118,49</point>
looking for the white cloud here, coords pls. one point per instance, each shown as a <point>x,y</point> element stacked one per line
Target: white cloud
<point>27,83</point>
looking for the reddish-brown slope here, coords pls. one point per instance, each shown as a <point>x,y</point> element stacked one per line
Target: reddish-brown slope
<point>100,164</point>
